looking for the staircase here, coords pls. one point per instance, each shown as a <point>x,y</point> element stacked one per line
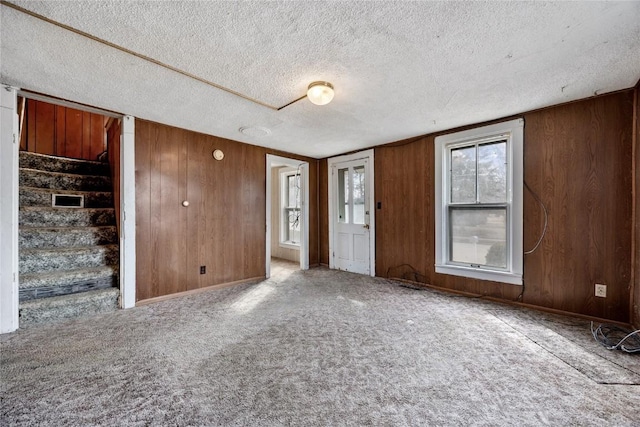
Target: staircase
<point>68,256</point>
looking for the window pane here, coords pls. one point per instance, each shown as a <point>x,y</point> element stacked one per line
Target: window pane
<point>479,236</point>
<point>292,226</point>
<point>358,195</point>
<point>492,172</point>
<point>463,175</point>
<point>343,195</point>
<point>293,194</point>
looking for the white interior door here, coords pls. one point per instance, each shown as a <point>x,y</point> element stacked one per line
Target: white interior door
<point>351,216</point>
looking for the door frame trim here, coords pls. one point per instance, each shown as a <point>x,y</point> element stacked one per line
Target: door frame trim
<point>331,162</point>
<point>272,161</point>
<point>9,271</point>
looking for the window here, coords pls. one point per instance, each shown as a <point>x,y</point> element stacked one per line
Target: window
<point>479,177</point>
<point>351,207</point>
<point>290,207</point>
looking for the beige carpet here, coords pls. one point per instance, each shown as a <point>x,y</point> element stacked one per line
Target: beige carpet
<point>317,348</point>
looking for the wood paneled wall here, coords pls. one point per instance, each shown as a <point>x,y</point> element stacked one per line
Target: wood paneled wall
<point>635,302</point>
<point>61,131</point>
<point>114,131</point>
<point>223,228</point>
<point>578,159</point>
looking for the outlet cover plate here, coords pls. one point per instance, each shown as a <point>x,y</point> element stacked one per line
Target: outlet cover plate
<point>601,290</point>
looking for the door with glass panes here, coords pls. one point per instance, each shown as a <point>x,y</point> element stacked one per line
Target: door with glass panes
<point>351,216</point>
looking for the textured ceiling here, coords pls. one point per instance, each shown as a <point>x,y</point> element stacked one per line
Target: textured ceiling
<point>400,69</point>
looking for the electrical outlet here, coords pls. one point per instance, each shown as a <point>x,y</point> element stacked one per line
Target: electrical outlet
<point>601,290</point>
<point>203,269</point>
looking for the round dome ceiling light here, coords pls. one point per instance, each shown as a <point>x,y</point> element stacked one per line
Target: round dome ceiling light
<point>320,93</point>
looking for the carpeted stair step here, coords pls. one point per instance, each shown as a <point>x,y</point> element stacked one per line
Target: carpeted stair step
<point>56,283</point>
<point>65,217</point>
<point>33,196</point>
<point>63,181</point>
<point>62,164</point>
<point>48,237</point>
<point>68,306</point>
<point>57,259</point>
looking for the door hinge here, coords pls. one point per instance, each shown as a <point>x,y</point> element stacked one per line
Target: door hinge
<point>14,138</point>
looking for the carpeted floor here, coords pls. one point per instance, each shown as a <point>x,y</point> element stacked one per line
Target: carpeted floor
<point>316,348</point>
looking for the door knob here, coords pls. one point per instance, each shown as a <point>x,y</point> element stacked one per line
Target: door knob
<point>366,226</point>
<point>185,203</point>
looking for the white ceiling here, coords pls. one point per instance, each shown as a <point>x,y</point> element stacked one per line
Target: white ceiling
<point>399,69</point>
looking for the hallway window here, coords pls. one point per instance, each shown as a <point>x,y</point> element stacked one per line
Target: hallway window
<point>290,196</point>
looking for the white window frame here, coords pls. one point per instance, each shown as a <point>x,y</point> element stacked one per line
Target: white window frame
<point>285,173</point>
<point>513,132</point>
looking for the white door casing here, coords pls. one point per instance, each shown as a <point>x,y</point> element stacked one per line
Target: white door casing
<point>351,213</point>
<point>9,145</point>
<point>272,161</point>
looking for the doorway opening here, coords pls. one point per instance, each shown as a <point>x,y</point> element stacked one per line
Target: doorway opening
<point>287,215</point>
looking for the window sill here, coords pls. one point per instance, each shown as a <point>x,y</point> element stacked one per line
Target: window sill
<point>473,273</point>
<point>290,245</point>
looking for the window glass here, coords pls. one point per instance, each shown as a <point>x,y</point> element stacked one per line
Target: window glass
<point>358,195</point>
<point>343,195</point>
<point>293,198</point>
<point>478,236</point>
<point>463,175</point>
<point>492,172</point>
<point>290,208</point>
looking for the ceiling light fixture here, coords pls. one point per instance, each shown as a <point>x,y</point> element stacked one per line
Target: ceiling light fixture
<point>320,93</point>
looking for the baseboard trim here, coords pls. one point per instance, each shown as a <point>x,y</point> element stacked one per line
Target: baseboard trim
<point>198,291</point>
<point>514,303</point>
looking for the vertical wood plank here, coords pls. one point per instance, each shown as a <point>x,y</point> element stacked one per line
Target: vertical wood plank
<point>74,133</point>
<point>45,131</point>
<point>634,304</point>
<point>97,137</point>
<point>113,136</point>
<point>145,247</point>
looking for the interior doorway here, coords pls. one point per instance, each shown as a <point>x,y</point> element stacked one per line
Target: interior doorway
<point>287,214</point>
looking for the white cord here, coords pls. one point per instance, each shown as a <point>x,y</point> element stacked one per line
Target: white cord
<point>546,219</point>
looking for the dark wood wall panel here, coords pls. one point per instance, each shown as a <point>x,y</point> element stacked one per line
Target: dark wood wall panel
<point>578,160</point>
<point>223,228</point>
<point>61,131</point>
<point>113,145</point>
<point>635,302</point>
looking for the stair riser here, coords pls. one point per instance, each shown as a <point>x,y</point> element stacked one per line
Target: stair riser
<point>68,306</point>
<point>56,164</point>
<point>67,260</point>
<point>67,289</point>
<point>39,179</point>
<point>66,218</point>
<point>46,238</point>
<point>40,198</point>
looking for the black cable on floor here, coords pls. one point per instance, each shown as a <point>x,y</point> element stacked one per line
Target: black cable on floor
<point>616,338</point>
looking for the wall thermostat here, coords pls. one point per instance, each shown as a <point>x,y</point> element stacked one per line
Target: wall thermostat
<point>218,154</point>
